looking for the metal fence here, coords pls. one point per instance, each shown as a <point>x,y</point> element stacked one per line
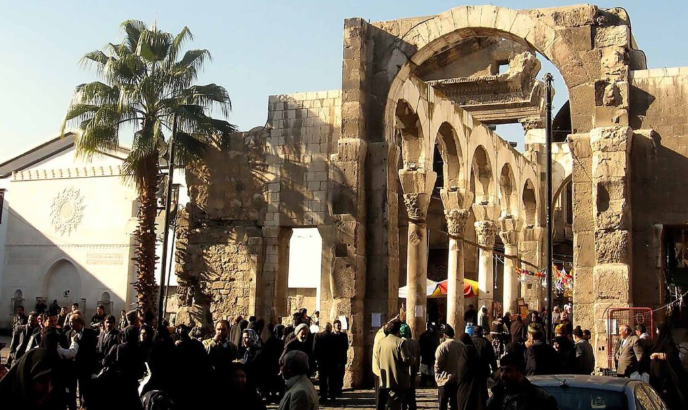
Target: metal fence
<point>629,316</point>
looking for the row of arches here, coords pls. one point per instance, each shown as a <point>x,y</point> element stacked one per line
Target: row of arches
<point>472,157</point>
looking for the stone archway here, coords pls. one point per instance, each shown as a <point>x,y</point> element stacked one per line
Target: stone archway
<point>62,283</point>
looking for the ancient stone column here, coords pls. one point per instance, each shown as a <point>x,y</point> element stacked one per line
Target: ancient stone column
<point>485,231</point>
<point>417,185</point>
<point>454,201</point>
<point>509,234</point>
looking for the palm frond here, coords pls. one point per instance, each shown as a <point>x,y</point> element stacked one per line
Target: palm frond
<point>133,30</point>
<point>178,43</point>
<point>96,93</point>
<point>208,95</point>
<point>153,45</point>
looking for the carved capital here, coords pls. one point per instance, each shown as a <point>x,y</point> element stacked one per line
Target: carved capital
<point>412,202</point>
<point>456,221</point>
<point>532,123</point>
<point>486,231</point>
<point>509,230</point>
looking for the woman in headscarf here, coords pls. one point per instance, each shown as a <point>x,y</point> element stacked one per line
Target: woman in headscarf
<point>250,354</point>
<point>666,373</point>
<point>472,391</point>
<point>28,385</point>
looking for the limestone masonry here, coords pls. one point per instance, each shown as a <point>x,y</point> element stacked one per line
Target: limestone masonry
<point>404,178</point>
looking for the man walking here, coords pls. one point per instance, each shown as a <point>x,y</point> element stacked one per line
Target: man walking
<point>393,362</point>
<point>324,349</point>
<point>18,321</point>
<point>221,352</point>
<point>25,333</point>
<point>585,357</point>
<point>300,394</point>
<point>630,353</point>
<point>447,358</point>
<point>541,358</point>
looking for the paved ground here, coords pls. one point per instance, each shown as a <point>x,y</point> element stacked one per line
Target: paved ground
<point>365,400</point>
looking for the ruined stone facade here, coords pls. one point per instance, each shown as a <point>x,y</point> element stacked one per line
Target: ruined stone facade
<point>400,166</point>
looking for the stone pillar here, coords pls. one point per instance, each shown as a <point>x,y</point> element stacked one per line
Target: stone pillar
<point>509,234</point>
<point>529,248</point>
<point>348,273</point>
<point>417,185</point>
<point>485,231</point>
<point>456,217</point>
<point>611,275</point>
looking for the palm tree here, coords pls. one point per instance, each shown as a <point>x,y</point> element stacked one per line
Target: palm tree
<point>145,85</point>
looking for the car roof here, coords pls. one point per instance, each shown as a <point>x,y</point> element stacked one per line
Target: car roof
<point>617,384</point>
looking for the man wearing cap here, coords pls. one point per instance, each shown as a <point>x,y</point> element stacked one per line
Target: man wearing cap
<point>303,342</point>
<point>541,358</point>
<point>393,361</point>
<point>414,351</point>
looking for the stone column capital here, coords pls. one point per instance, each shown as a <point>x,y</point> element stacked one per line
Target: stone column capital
<point>532,123</point>
<point>508,231</point>
<point>416,205</point>
<point>417,185</point>
<point>456,221</point>
<point>486,231</point>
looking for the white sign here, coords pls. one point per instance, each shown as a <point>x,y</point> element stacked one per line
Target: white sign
<point>345,324</point>
<point>419,311</point>
<point>376,320</point>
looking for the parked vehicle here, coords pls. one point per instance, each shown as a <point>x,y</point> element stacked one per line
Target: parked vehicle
<point>581,392</point>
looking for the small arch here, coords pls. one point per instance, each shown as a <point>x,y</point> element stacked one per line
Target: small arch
<point>106,302</point>
<point>408,124</point>
<point>508,194</point>
<point>529,204</point>
<point>17,300</point>
<point>62,283</point>
<point>447,141</point>
<point>481,175</point>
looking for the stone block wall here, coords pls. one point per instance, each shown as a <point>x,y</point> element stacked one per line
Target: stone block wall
<point>659,117</point>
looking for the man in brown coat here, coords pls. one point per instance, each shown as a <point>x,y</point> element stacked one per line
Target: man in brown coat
<point>447,358</point>
<point>630,352</point>
<point>393,361</point>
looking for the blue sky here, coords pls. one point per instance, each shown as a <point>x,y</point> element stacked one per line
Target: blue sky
<point>259,48</point>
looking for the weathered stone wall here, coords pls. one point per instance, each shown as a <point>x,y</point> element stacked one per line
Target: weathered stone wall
<point>659,114</point>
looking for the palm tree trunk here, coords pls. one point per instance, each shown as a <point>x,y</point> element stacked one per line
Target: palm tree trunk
<point>145,257</point>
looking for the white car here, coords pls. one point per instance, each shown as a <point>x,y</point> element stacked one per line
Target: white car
<point>581,392</point>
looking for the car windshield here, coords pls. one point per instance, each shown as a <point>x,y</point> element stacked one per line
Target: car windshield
<point>572,398</point>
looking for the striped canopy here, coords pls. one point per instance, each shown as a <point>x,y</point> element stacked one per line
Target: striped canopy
<point>439,289</point>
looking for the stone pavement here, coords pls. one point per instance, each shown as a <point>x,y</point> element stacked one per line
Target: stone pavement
<point>365,400</point>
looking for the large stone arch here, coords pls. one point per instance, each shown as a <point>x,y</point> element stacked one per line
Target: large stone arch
<point>537,29</point>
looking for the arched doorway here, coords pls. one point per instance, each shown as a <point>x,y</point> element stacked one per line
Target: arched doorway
<point>62,283</point>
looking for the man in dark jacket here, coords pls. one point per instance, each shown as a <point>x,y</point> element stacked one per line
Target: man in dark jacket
<point>18,321</point>
<point>585,357</point>
<point>429,340</point>
<point>518,331</point>
<point>341,352</point>
<point>24,334</point>
<point>85,361</point>
<point>108,339</point>
<point>515,392</point>
<point>565,350</point>
<point>541,358</point>
<point>324,348</point>
<point>486,354</point>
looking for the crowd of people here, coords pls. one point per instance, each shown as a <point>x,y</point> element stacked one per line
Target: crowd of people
<point>60,360</point>
<point>463,366</point>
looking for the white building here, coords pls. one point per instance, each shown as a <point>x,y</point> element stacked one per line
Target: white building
<point>65,230</point>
